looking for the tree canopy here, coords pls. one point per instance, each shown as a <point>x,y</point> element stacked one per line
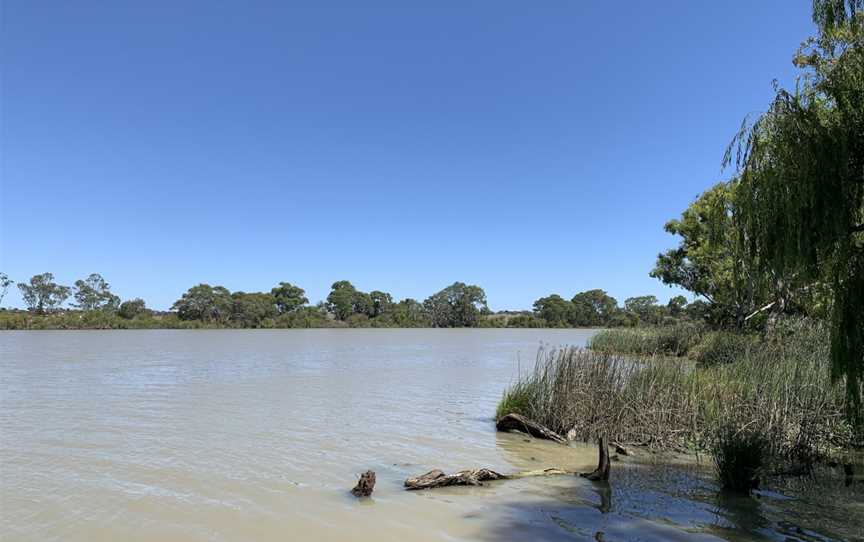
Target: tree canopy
<point>42,294</point>
<point>458,305</point>
<point>94,293</point>
<point>801,171</point>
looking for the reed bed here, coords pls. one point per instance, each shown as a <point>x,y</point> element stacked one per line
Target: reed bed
<point>780,391</point>
<point>673,340</point>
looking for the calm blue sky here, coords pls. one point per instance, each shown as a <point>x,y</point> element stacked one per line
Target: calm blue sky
<point>528,147</point>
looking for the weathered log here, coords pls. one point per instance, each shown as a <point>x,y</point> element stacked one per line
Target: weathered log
<point>365,485</point>
<point>621,450</point>
<point>602,470</point>
<point>517,422</point>
<point>471,477</point>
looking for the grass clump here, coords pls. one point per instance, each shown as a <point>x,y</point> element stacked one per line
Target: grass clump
<point>739,457</point>
<point>517,399</point>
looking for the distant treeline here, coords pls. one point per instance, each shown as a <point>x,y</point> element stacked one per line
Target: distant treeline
<point>286,306</point>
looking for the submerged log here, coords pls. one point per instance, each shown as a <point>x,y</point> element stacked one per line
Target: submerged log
<point>471,477</point>
<point>602,470</point>
<point>365,485</point>
<point>517,422</point>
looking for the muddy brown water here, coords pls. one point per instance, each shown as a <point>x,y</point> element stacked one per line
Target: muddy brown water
<point>259,435</point>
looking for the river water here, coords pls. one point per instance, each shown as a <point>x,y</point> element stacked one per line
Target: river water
<point>259,435</point>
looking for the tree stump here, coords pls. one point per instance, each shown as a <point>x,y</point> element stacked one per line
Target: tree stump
<point>602,470</point>
<point>365,485</point>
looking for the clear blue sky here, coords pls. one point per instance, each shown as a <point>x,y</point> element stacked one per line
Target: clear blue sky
<point>528,147</point>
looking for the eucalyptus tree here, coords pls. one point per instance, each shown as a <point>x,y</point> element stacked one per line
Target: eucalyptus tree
<point>801,171</point>
<point>252,309</point>
<point>206,303</point>
<point>5,283</point>
<point>131,308</point>
<point>94,294</point>
<point>458,305</point>
<point>42,294</point>
<point>381,302</point>
<point>342,299</point>
<point>554,310</point>
<point>593,308</point>
<point>288,297</point>
<point>645,307</point>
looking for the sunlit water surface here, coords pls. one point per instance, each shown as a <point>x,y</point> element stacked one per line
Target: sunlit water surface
<point>258,435</point>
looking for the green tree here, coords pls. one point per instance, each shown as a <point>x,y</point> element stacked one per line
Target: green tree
<point>94,294</point>
<point>381,302</point>
<point>132,308</point>
<point>206,303</point>
<point>409,313</point>
<point>5,283</point>
<point>801,171</point>
<point>710,260</point>
<point>645,307</point>
<point>341,300</point>
<point>252,309</point>
<point>42,294</point>
<point>458,305</point>
<point>676,305</point>
<point>363,304</point>
<point>593,308</point>
<point>555,310</point>
<point>288,297</point>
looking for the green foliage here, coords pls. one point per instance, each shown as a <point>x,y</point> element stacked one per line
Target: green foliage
<point>253,309</point>
<point>717,347</point>
<point>593,308</point>
<point>780,389</point>
<point>42,294</point>
<point>5,283</point>
<point>288,297</point>
<point>458,305</point>
<point>646,308</point>
<point>94,294</point>
<point>132,308</point>
<point>408,313</point>
<point>675,340</point>
<point>554,310</point>
<point>675,306</point>
<point>801,171</point>
<point>381,302</point>
<point>343,299</point>
<point>710,260</point>
<point>518,399</point>
<point>206,303</point>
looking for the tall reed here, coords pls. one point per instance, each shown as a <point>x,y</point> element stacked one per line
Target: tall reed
<point>781,390</point>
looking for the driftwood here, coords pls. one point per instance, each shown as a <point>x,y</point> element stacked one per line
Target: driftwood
<point>620,449</point>
<point>602,470</point>
<point>365,485</point>
<point>517,422</point>
<point>471,477</point>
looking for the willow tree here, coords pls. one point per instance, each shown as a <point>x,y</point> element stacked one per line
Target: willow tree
<point>801,170</point>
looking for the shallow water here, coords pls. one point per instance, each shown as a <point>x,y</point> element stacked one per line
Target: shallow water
<point>258,435</point>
